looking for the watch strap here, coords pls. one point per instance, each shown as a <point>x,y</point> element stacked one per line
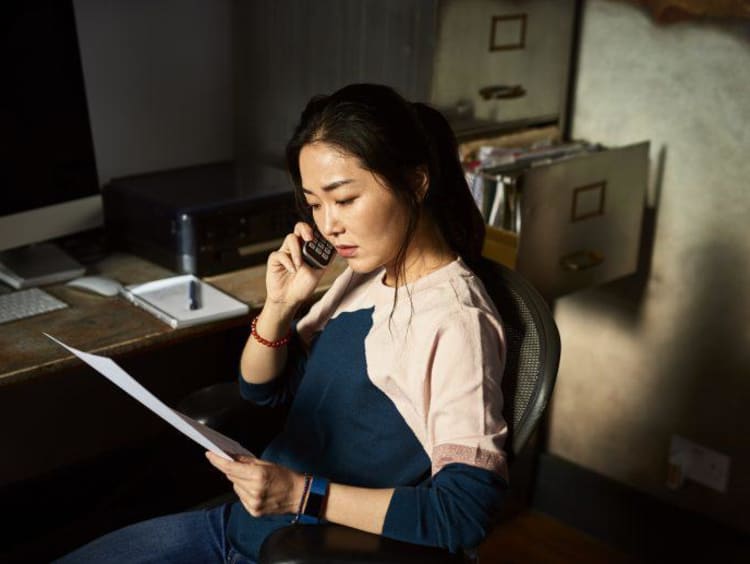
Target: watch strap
<point>315,500</point>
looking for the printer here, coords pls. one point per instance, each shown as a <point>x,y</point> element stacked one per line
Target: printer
<point>202,220</point>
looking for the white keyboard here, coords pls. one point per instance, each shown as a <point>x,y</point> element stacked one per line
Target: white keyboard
<point>25,303</point>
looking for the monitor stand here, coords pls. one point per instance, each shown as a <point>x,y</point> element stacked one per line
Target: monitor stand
<point>36,265</point>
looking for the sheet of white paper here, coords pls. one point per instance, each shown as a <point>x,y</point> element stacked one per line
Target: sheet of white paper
<point>201,434</point>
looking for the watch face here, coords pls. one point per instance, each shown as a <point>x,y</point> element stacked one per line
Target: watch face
<point>316,498</point>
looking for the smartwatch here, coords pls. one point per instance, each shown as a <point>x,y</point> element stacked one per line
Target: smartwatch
<point>315,500</point>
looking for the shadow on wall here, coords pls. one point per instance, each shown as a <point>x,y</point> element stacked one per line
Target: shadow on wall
<point>699,359</point>
<point>702,373</point>
<point>631,289</point>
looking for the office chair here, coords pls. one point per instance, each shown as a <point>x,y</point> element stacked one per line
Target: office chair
<point>532,358</point>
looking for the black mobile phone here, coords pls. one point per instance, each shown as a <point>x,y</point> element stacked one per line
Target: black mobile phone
<point>318,252</point>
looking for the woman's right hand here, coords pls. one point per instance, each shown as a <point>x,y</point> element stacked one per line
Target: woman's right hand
<point>289,280</point>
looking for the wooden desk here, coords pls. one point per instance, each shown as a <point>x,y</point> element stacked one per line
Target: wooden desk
<point>113,326</point>
<point>55,411</point>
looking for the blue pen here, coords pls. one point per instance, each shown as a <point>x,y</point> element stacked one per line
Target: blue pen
<point>194,300</point>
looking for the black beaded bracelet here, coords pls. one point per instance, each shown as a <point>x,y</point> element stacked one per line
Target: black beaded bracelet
<point>298,516</point>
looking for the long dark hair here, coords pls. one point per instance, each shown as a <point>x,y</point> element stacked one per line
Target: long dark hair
<point>394,139</point>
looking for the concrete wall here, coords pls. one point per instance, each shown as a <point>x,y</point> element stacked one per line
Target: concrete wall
<point>668,351</point>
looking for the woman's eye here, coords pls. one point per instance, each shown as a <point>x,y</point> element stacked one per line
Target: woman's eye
<point>345,202</point>
<point>313,207</point>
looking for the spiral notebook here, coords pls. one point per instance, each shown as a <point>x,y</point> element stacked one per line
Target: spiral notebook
<point>170,300</point>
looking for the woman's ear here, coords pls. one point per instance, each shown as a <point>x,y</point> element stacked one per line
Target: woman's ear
<point>421,183</point>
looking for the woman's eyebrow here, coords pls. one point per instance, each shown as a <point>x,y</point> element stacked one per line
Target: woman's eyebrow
<point>331,186</point>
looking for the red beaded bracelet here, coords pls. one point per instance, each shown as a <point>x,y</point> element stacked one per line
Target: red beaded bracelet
<point>273,344</point>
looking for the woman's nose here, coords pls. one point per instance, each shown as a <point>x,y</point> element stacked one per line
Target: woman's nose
<point>330,223</point>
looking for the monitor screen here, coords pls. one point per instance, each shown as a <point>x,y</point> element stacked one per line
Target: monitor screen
<point>46,148</point>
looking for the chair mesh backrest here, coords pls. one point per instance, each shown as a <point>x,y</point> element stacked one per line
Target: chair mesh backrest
<point>532,351</point>
<point>524,352</point>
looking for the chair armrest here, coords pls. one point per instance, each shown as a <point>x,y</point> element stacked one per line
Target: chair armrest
<point>335,544</point>
<point>221,407</point>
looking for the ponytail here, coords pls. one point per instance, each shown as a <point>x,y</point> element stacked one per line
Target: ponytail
<point>449,199</point>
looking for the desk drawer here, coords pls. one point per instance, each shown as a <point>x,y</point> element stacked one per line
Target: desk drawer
<point>581,219</point>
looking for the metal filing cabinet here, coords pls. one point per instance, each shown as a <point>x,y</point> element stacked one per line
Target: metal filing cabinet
<point>580,219</point>
<point>501,73</point>
<point>573,222</point>
<point>508,59</point>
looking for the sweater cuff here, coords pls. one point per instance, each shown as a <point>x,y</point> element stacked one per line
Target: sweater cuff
<point>260,394</point>
<point>455,509</point>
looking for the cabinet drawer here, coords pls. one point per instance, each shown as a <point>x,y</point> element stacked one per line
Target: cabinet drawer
<point>581,219</point>
<point>504,43</point>
<point>500,246</point>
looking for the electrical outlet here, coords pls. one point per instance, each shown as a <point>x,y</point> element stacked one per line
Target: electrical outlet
<point>695,462</point>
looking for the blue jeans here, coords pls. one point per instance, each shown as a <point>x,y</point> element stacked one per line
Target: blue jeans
<point>196,536</point>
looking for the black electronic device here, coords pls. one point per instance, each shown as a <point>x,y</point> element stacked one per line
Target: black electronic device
<point>201,220</point>
<point>317,252</point>
<point>48,171</point>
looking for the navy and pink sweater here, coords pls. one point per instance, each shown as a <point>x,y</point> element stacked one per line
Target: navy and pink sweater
<point>406,398</point>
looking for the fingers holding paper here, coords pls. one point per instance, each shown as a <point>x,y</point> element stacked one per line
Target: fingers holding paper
<point>263,487</point>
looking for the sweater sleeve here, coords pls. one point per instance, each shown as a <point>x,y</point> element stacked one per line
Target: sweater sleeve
<point>455,509</point>
<point>465,435</point>
<point>280,390</point>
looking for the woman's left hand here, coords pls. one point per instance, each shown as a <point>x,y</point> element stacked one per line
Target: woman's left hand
<point>263,487</point>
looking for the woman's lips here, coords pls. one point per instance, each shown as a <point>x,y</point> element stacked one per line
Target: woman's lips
<point>346,251</point>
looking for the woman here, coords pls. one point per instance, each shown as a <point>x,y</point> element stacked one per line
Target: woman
<point>395,425</point>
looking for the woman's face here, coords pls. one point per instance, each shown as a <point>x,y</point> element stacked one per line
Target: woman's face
<point>352,207</point>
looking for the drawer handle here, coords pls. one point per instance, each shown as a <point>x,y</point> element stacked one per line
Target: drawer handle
<point>581,260</point>
<point>502,91</point>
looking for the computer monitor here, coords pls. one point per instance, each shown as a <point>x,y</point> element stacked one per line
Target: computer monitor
<point>48,178</point>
